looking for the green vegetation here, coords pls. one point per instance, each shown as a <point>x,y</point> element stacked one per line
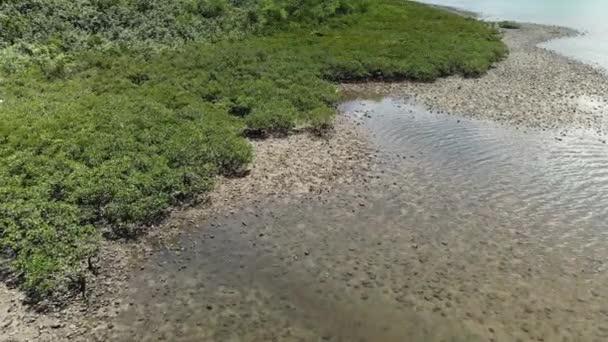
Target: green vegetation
<point>39,31</point>
<point>509,25</point>
<point>101,141</point>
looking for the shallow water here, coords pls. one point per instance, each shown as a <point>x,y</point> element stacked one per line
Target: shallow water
<point>468,230</point>
<point>553,176</point>
<point>586,16</point>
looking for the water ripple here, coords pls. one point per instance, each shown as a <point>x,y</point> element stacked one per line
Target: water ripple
<point>559,177</point>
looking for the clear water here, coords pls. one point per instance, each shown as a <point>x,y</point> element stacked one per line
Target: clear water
<point>586,16</point>
<point>468,231</point>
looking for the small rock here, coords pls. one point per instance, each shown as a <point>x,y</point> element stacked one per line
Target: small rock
<point>56,325</point>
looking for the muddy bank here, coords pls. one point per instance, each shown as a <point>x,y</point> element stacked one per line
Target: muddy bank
<point>298,164</point>
<point>533,87</point>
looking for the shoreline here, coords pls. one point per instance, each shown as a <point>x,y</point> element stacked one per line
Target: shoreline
<point>306,164</point>
<point>299,164</point>
<point>532,88</point>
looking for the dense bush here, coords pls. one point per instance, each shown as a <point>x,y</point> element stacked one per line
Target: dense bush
<point>36,31</point>
<point>307,11</point>
<point>77,23</point>
<point>95,142</point>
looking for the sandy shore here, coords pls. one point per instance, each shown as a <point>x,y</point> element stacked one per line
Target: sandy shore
<point>533,87</point>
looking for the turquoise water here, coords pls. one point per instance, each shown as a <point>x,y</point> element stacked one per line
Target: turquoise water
<point>587,16</point>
